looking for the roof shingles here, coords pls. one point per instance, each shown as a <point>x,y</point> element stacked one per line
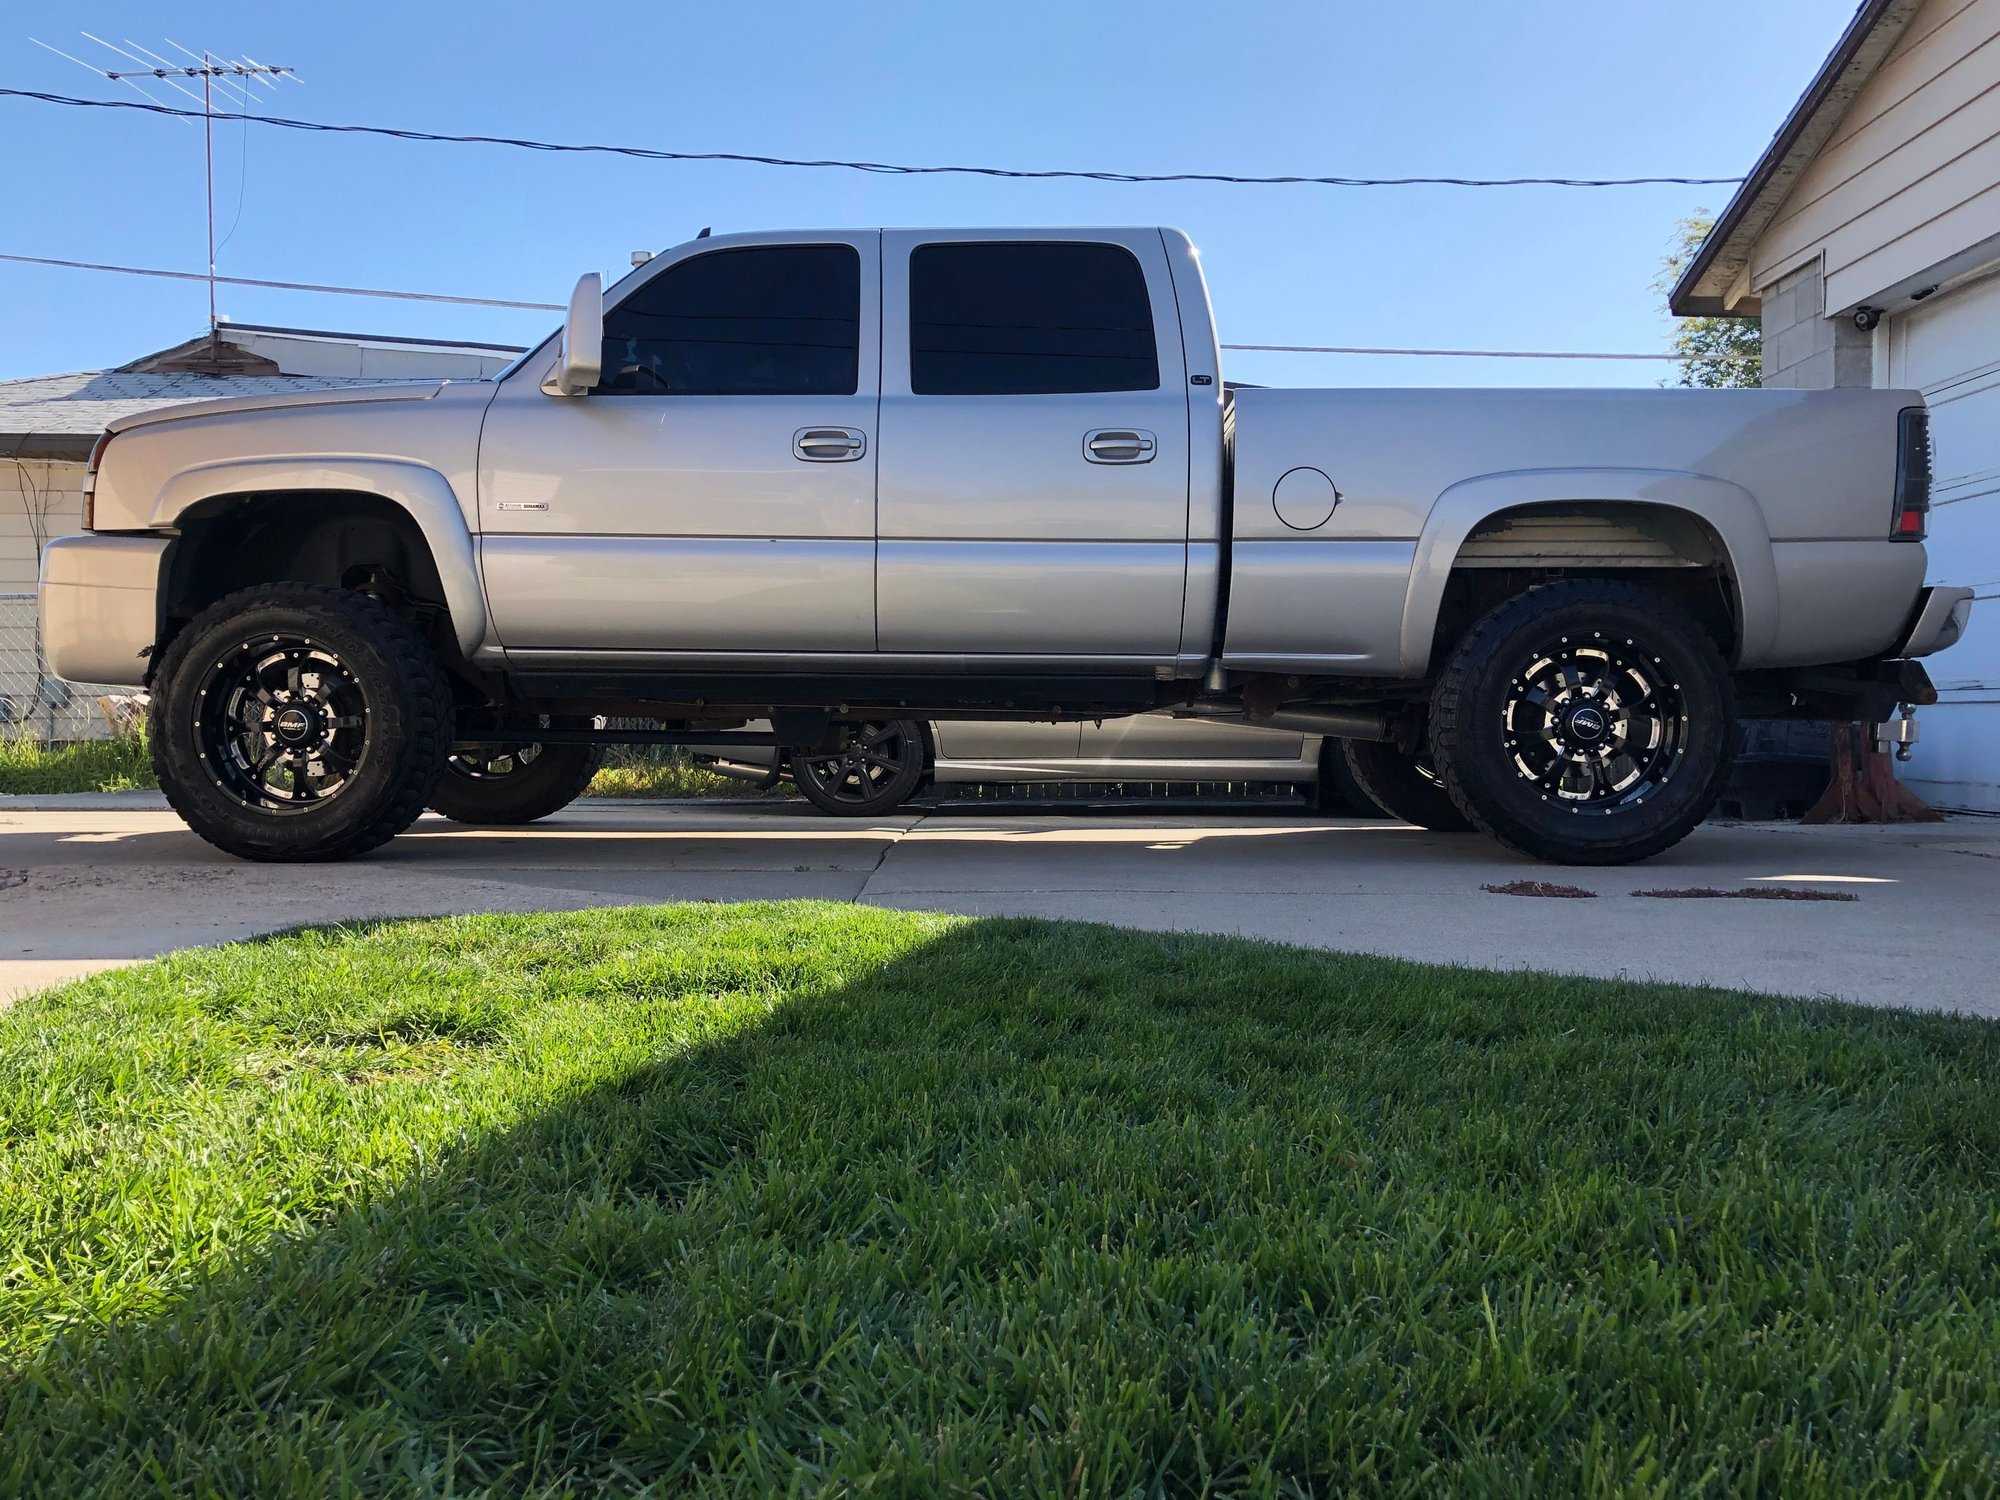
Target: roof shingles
<point>81,405</point>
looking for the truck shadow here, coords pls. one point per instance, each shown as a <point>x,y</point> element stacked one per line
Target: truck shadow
<point>666,1267</point>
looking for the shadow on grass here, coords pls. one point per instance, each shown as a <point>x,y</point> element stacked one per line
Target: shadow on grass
<point>1030,1207</point>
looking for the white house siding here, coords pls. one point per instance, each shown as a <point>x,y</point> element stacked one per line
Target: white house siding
<point>1911,177</point>
<point>39,499</point>
<point>1949,348</point>
<point>1905,195</point>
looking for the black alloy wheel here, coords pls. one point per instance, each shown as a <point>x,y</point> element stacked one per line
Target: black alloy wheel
<point>282,723</point>
<point>1585,722</point>
<point>878,769</point>
<point>1596,723</point>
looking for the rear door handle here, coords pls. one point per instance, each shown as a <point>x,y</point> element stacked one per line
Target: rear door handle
<point>1118,445</point>
<point>829,445</point>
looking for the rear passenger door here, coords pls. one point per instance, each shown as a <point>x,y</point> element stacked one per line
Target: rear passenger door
<point>1032,490</point>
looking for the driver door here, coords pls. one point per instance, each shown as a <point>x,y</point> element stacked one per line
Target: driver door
<point>715,494</point>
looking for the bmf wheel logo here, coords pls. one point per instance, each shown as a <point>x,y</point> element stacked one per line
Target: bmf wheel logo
<point>1587,723</point>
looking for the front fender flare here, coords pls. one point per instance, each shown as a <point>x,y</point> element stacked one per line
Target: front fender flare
<point>423,493</point>
<point>1730,511</point>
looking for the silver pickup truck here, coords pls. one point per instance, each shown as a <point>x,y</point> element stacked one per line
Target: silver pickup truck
<point>823,479</point>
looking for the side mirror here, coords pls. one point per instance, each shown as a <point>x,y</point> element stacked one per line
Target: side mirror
<point>581,362</point>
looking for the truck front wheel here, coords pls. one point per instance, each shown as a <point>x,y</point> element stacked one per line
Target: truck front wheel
<point>501,784</point>
<point>299,722</point>
<point>1586,722</point>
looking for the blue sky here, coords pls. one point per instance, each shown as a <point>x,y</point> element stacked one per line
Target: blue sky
<point>1426,87</point>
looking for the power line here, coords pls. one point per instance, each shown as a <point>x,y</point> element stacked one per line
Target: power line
<point>283,286</point>
<point>1464,353</point>
<point>648,153</point>
<point>360,291</point>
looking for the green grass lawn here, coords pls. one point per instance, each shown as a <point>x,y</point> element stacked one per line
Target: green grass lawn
<point>107,765</point>
<point>667,771</point>
<point>121,765</point>
<point>808,1198</point>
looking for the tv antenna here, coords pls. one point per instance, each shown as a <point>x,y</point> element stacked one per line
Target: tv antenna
<point>214,72</point>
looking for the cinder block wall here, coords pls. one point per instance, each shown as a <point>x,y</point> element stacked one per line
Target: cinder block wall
<point>1803,348</point>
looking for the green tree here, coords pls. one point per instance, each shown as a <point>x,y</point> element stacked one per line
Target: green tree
<point>1714,352</point>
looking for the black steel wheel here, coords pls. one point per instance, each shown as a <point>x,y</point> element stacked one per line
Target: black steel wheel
<point>1403,786</point>
<point>496,784</point>
<point>299,722</point>
<point>1586,722</point>
<point>877,769</point>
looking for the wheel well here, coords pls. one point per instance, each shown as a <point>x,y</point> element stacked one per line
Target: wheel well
<point>356,541</point>
<point>1660,546</point>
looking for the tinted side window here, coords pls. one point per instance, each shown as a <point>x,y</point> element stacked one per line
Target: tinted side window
<point>783,320</point>
<point>1029,319</point>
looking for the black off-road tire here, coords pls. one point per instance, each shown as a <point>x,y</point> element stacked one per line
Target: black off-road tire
<point>1336,793</point>
<point>877,772</point>
<point>1403,786</point>
<point>1674,678</point>
<point>404,708</point>
<point>537,780</point>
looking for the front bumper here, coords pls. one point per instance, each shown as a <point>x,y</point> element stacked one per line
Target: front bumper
<point>1942,615</point>
<point>100,607</point>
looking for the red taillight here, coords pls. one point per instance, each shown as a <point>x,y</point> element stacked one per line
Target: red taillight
<point>1913,475</point>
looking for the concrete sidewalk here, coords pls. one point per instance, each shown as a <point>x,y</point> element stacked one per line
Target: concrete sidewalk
<point>87,882</point>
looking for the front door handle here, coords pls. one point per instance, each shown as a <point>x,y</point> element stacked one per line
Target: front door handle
<point>829,445</point>
<point>1118,445</point>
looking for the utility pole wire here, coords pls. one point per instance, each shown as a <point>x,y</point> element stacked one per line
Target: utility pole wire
<point>357,291</point>
<point>283,286</point>
<point>647,153</point>
<point>1462,353</point>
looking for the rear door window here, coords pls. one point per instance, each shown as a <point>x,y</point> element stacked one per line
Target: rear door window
<point>1031,318</point>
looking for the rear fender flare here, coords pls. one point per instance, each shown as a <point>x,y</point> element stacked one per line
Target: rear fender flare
<point>422,493</point>
<point>1729,510</point>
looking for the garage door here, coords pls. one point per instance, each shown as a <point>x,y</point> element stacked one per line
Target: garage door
<point>1949,348</point>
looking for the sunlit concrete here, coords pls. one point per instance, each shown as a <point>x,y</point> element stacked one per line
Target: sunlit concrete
<point>86,882</point>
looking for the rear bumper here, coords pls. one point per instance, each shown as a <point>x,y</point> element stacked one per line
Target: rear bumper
<point>1942,615</point>
<point>100,607</point>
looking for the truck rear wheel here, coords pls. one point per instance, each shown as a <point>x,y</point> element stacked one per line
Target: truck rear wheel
<point>1405,787</point>
<point>501,784</point>
<point>1586,722</point>
<point>299,722</point>
<point>878,770</point>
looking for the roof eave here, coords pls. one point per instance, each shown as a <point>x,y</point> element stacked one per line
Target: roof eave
<point>46,445</point>
<point>1705,287</point>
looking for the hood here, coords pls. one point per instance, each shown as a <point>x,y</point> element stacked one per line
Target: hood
<point>412,390</point>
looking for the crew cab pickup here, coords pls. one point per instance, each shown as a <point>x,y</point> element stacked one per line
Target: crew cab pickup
<point>815,481</point>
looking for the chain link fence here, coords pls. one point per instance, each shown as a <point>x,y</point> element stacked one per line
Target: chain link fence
<point>36,702</point>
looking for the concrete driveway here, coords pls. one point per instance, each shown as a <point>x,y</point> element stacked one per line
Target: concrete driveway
<point>88,882</point>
